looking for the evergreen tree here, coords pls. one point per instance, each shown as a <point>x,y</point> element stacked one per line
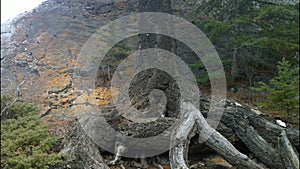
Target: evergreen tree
<point>253,34</point>
<point>283,90</point>
<point>25,142</point>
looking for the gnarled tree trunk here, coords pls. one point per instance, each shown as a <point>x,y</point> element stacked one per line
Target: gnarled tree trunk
<point>238,124</point>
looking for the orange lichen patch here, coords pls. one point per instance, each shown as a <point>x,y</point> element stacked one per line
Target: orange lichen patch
<point>104,95</point>
<point>103,102</point>
<point>60,81</point>
<point>66,34</point>
<point>50,81</point>
<point>83,99</point>
<point>50,116</point>
<point>101,96</point>
<point>56,51</point>
<point>77,109</point>
<point>64,100</point>
<point>44,83</point>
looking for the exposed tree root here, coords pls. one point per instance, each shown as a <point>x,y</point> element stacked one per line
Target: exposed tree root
<point>192,117</point>
<point>238,124</point>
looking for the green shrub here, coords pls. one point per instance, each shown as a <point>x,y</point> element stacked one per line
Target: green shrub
<point>283,90</point>
<point>4,101</point>
<point>25,142</point>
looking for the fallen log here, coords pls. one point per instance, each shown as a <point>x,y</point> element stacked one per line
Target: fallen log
<point>287,152</point>
<point>259,135</point>
<point>258,145</point>
<point>268,130</point>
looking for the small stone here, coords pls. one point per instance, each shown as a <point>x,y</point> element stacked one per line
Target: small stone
<point>238,104</point>
<point>256,111</point>
<point>280,123</point>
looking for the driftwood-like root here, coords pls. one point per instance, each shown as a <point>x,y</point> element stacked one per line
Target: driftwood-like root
<point>240,120</point>
<point>271,145</point>
<point>190,116</point>
<point>287,152</point>
<point>258,146</point>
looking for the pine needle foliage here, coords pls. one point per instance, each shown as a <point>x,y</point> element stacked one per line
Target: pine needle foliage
<point>25,142</point>
<point>283,90</point>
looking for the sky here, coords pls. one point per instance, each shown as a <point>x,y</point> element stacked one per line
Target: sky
<point>12,8</point>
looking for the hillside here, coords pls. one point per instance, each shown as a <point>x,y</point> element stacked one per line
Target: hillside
<point>41,50</point>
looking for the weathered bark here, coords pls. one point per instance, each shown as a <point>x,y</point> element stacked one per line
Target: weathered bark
<point>177,159</point>
<point>180,140</point>
<point>259,135</point>
<point>154,78</point>
<point>238,124</point>
<point>270,131</point>
<point>258,146</point>
<point>215,141</point>
<point>288,154</point>
<point>81,151</point>
<point>234,116</point>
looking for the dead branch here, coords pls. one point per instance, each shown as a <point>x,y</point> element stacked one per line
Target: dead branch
<point>16,99</point>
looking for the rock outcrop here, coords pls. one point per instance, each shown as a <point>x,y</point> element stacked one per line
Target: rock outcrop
<point>40,49</point>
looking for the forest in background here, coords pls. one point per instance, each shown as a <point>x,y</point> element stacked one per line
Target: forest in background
<point>258,43</point>
<point>251,37</point>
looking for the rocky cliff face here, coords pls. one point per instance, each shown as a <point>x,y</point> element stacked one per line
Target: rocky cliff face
<point>39,50</point>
